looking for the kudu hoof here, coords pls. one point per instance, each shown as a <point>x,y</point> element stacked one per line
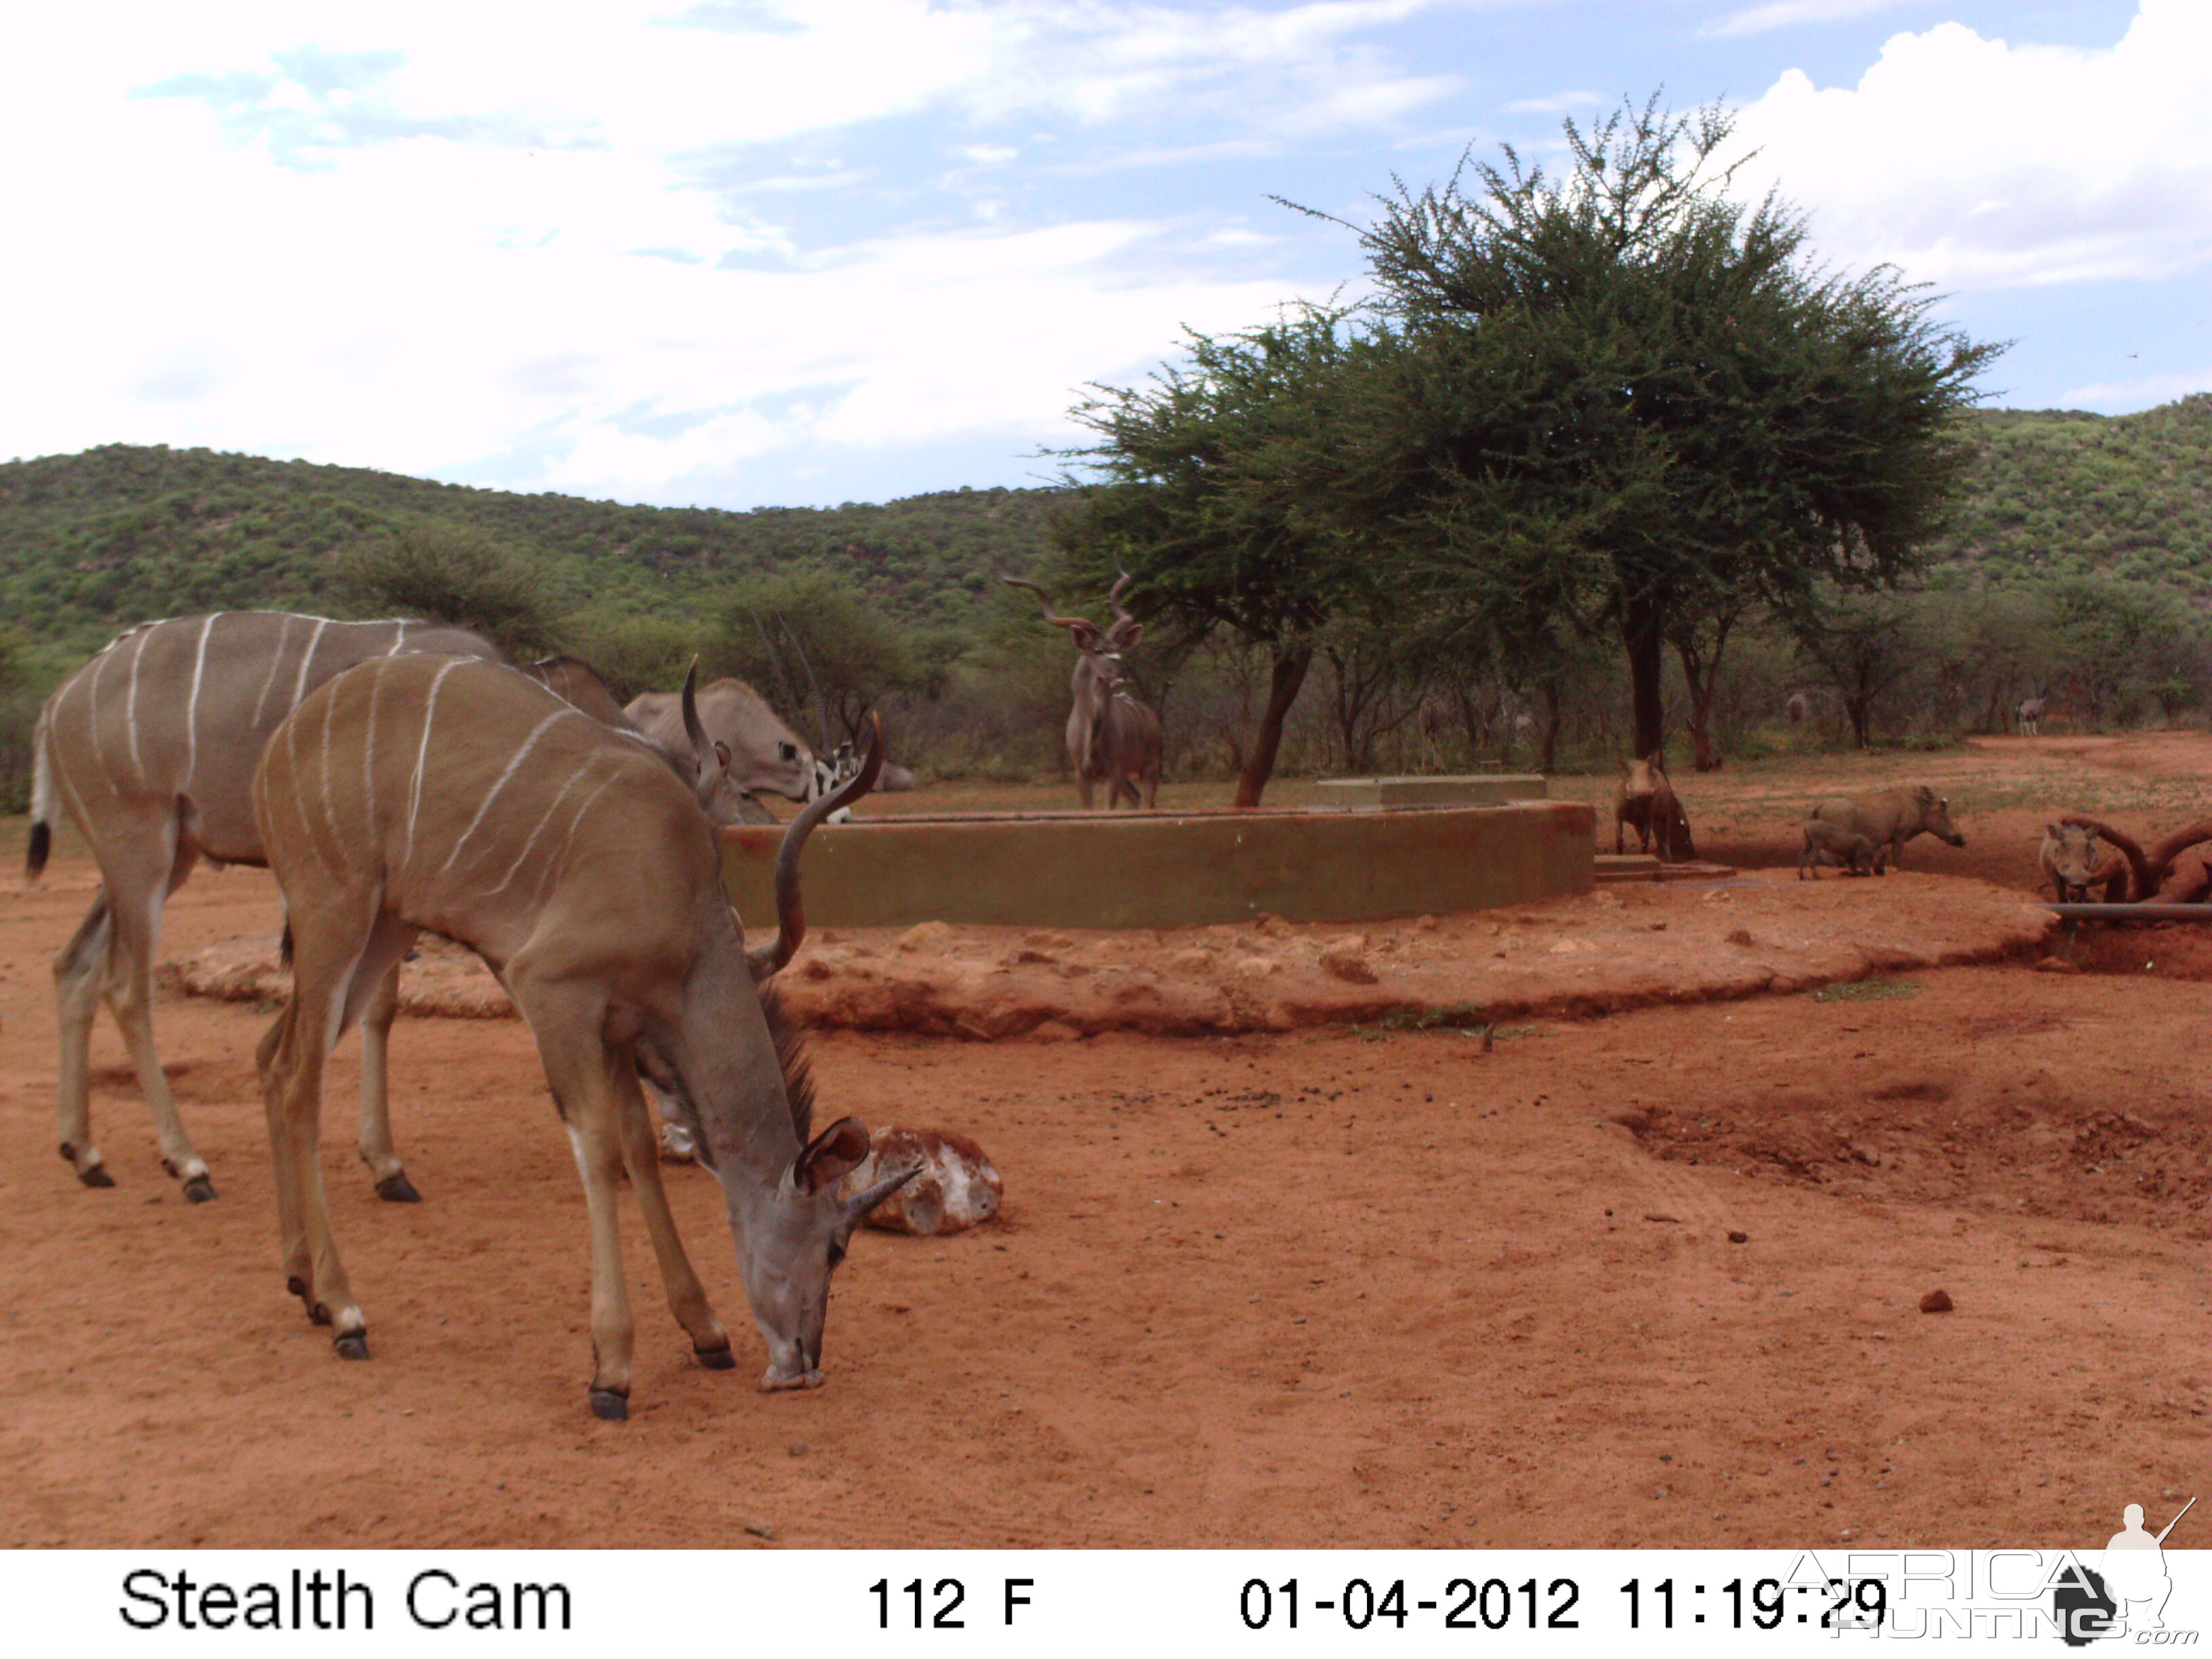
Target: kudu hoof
<point>199,1190</point>
<point>610,1406</point>
<point>716,1360</point>
<point>97,1175</point>
<point>352,1346</point>
<point>397,1189</point>
<point>297,1286</point>
<point>319,1314</point>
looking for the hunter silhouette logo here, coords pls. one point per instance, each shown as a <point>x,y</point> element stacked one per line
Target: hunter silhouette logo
<point>2128,1597</point>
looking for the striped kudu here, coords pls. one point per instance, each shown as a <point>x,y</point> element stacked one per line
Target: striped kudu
<point>150,747</point>
<point>1112,738</point>
<point>443,794</point>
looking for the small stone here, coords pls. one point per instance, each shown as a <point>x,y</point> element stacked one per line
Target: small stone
<point>1047,941</point>
<point>2055,965</point>
<point>1656,926</point>
<point>1739,936</point>
<point>1347,962</point>
<point>1426,923</point>
<point>1739,1238</point>
<point>759,1531</point>
<point>923,935</point>
<point>1936,1302</point>
<point>797,1448</point>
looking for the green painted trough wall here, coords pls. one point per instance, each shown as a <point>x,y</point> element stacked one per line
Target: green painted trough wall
<point>1170,870</point>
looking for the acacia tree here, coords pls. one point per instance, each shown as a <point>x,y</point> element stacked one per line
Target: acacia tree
<point>819,650</point>
<point>1648,380</point>
<point>1219,489</point>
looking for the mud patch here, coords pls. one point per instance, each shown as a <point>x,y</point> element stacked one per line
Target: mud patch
<point>2009,1136</point>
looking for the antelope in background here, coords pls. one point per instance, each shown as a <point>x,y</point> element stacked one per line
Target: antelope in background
<point>456,796</point>
<point>764,753</point>
<point>1112,738</point>
<point>150,747</point>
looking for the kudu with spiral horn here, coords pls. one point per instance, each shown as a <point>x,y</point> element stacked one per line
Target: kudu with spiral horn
<point>443,794</point>
<point>1112,738</point>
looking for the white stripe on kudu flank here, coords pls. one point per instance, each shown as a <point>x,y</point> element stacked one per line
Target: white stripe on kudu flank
<point>131,703</point>
<point>368,752</point>
<point>513,761</point>
<point>575,778</point>
<point>99,744</point>
<point>299,685</point>
<point>193,707</point>
<point>330,806</point>
<point>550,864</point>
<point>429,714</point>
<point>283,633</point>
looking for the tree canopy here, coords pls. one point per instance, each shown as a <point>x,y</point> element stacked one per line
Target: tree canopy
<point>1633,387</point>
<point>1622,400</point>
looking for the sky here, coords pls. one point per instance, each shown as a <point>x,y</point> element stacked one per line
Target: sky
<point>776,252</point>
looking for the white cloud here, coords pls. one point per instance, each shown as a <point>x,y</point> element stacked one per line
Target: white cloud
<point>2141,392</point>
<point>1789,13</point>
<point>1974,163</point>
<point>1560,103</point>
<point>426,239</point>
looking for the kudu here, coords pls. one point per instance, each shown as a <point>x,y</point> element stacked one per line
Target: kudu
<point>151,748</point>
<point>458,796</point>
<point>764,752</point>
<point>1112,738</point>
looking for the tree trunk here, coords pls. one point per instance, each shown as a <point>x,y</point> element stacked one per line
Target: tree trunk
<point>1547,757</point>
<point>1702,675</point>
<point>1641,632</point>
<point>1288,674</point>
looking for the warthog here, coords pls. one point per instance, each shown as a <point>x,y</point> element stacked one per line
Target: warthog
<point>2070,857</point>
<point>1893,817</point>
<point>1834,843</point>
<point>1643,801</point>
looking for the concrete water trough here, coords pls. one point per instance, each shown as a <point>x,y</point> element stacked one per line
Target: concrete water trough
<point>1171,869</point>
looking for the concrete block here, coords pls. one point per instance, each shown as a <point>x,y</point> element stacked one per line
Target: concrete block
<point>1169,870</point>
<point>1371,794</point>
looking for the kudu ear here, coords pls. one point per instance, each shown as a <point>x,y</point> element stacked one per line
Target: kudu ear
<point>830,1155</point>
<point>1126,635</point>
<point>1086,637</point>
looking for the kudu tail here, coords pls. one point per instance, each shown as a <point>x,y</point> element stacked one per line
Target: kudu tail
<point>42,802</point>
<point>768,960</point>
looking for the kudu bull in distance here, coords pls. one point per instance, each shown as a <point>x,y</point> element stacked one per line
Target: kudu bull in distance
<point>150,747</point>
<point>1112,738</point>
<point>441,794</point>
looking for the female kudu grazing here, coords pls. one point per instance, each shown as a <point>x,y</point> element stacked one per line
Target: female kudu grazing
<point>396,801</point>
<point>1112,738</point>
<point>150,746</point>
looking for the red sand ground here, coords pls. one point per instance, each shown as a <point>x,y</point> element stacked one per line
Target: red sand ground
<point>1326,1286</point>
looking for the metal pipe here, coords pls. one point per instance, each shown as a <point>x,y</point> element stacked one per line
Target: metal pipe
<point>2131,912</point>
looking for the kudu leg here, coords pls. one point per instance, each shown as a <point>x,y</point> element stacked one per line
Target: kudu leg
<point>581,1072</point>
<point>136,896</point>
<point>292,1060</point>
<point>77,974</point>
<point>376,1148</point>
<point>687,1297</point>
<point>329,992</point>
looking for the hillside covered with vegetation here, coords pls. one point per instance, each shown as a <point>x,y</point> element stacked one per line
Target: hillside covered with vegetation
<point>92,542</point>
<point>2078,563</point>
<point>2063,493</point>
